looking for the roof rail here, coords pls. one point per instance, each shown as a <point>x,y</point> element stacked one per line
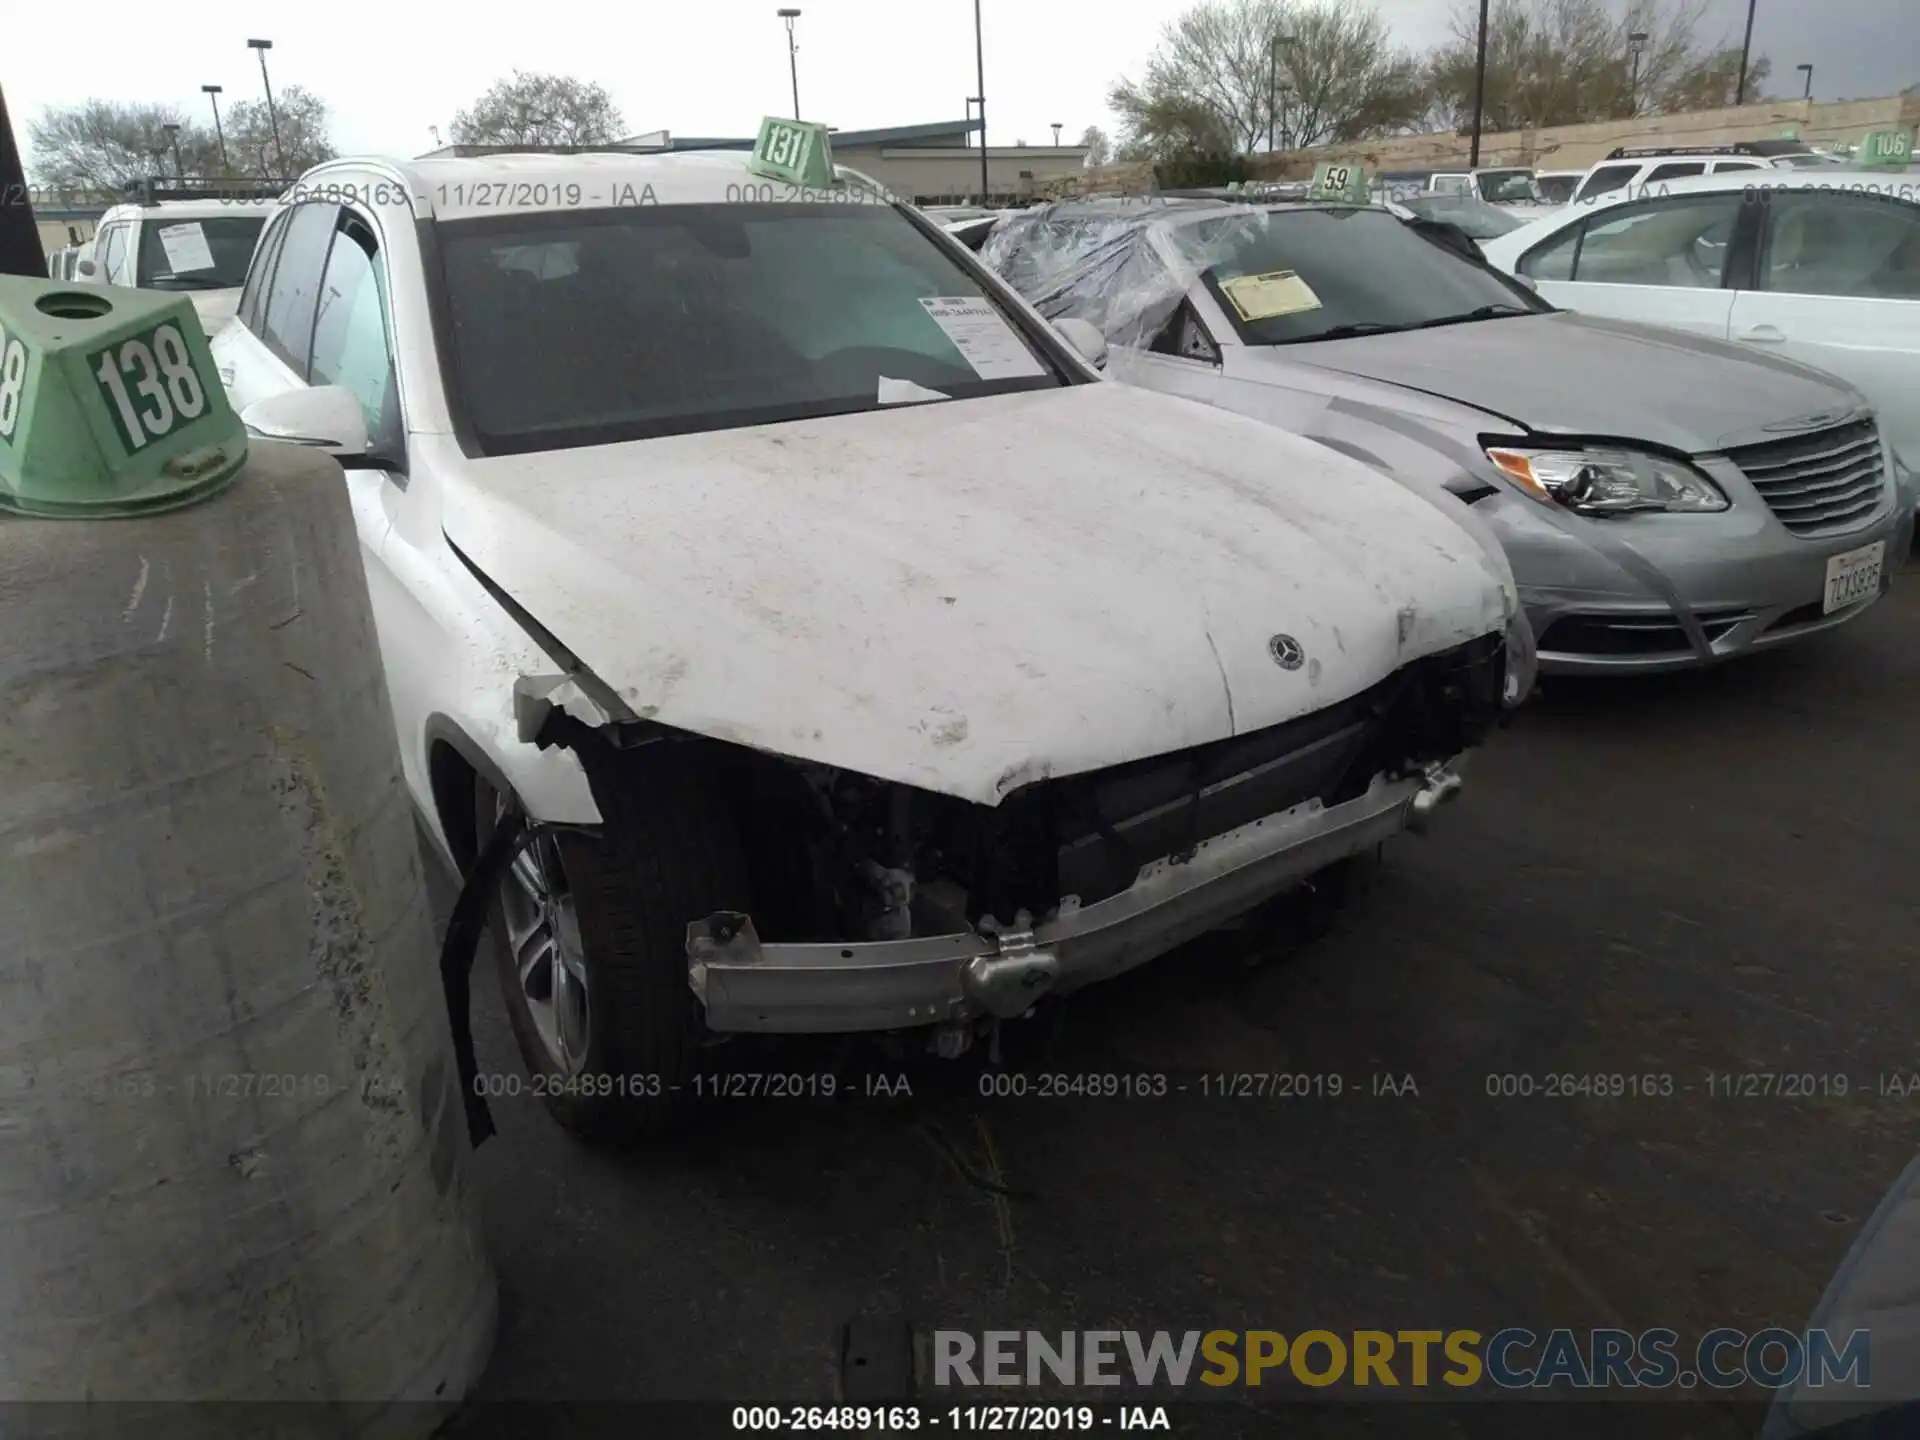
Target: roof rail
<point>151,190</point>
<point>1731,147</point>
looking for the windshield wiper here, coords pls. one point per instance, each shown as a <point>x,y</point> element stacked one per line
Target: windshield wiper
<point>1347,332</point>
<point>1484,312</point>
<point>189,282</point>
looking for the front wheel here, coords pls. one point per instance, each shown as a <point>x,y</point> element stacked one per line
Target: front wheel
<point>589,938</point>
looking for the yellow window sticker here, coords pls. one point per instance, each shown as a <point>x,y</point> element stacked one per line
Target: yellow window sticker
<point>1266,297</point>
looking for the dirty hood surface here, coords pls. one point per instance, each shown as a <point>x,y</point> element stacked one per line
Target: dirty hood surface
<point>970,596</point>
<point>1582,375</point>
<point>215,308</point>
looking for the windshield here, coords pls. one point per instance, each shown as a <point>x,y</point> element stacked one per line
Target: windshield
<point>205,254</point>
<point>591,328</point>
<point>1557,189</point>
<point>1508,187</point>
<point>1480,220</point>
<point>1352,272</point>
<point>1808,161</point>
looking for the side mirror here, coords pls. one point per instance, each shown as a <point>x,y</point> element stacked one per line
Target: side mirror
<point>1525,282</point>
<point>1087,341</point>
<point>86,267</point>
<point>328,417</point>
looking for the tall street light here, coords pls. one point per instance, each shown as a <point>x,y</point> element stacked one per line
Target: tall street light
<point>1746,50</point>
<point>1479,88</point>
<point>1808,94</point>
<point>273,115</point>
<point>173,136</point>
<point>1273,82</point>
<point>213,94</point>
<point>1056,128</point>
<point>1636,42</point>
<point>980,79</point>
<point>793,56</point>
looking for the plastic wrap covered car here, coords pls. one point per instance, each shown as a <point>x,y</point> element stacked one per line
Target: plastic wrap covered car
<point>1665,500</point>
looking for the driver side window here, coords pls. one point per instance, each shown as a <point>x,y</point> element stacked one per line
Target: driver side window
<point>1678,241</point>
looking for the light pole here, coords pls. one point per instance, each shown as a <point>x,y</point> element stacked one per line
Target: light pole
<point>793,56</point>
<point>1808,93</point>
<point>213,94</point>
<point>1056,128</point>
<point>173,136</point>
<point>1273,83</point>
<point>980,79</point>
<point>1479,88</point>
<point>273,115</point>
<point>1635,43</point>
<point>1746,50</point>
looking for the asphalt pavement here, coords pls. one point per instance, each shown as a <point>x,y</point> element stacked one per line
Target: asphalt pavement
<point>1695,876</point>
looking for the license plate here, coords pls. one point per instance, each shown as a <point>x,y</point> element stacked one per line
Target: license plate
<point>1854,576</point>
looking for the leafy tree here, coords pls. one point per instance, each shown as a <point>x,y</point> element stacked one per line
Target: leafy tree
<point>1229,74</point>
<point>528,109</point>
<point>1099,148</point>
<point>251,147</point>
<point>104,144</point>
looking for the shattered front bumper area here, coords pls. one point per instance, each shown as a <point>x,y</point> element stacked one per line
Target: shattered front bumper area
<point>794,988</point>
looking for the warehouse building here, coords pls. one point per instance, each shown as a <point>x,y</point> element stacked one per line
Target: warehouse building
<point>932,164</point>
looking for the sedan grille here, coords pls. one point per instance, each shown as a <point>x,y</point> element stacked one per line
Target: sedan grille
<point>1818,484</point>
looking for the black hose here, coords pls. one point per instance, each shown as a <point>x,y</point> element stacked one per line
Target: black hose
<point>462,942</point>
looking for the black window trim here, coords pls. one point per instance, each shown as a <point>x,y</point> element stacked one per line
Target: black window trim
<point>358,228</point>
<point>302,368</point>
<point>265,258</point>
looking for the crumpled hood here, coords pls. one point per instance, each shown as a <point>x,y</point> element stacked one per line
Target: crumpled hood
<point>970,596</point>
<point>1582,375</point>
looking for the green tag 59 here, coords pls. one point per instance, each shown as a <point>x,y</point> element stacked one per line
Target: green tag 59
<point>150,385</point>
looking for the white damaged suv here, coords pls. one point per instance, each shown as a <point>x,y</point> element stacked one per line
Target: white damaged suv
<point>856,657</point>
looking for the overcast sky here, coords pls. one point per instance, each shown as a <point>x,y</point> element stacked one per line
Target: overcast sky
<point>390,70</point>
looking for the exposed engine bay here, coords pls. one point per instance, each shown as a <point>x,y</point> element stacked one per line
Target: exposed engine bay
<point>832,855</point>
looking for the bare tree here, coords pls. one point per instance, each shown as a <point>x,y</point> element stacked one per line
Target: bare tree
<point>1099,148</point>
<point>1299,71</point>
<point>1712,82</point>
<point>303,122</point>
<point>1565,62</point>
<point>104,144</point>
<point>528,109</point>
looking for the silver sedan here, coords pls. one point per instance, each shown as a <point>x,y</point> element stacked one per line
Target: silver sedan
<point>1664,500</point>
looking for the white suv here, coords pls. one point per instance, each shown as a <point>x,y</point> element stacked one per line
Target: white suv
<point>861,657</point>
<point>200,245</point>
<point>1635,168</point>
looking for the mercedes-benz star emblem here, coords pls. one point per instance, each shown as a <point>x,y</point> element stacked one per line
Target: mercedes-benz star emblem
<point>1286,652</point>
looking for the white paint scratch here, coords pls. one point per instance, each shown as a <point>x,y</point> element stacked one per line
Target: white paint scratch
<point>243,582</point>
<point>206,595</point>
<point>139,589</point>
<point>166,619</point>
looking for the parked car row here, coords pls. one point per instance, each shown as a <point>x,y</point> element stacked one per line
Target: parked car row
<point>797,621</point>
<point>1665,501</point>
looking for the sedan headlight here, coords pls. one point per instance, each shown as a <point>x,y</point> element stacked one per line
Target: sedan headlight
<point>1609,482</point>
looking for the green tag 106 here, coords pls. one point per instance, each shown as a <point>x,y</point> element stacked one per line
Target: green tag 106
<point>150,384</point>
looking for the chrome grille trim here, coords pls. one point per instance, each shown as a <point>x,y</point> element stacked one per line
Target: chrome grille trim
<point>1820,484</point>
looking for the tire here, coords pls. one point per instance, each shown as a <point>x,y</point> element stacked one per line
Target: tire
<point>634,888</point>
